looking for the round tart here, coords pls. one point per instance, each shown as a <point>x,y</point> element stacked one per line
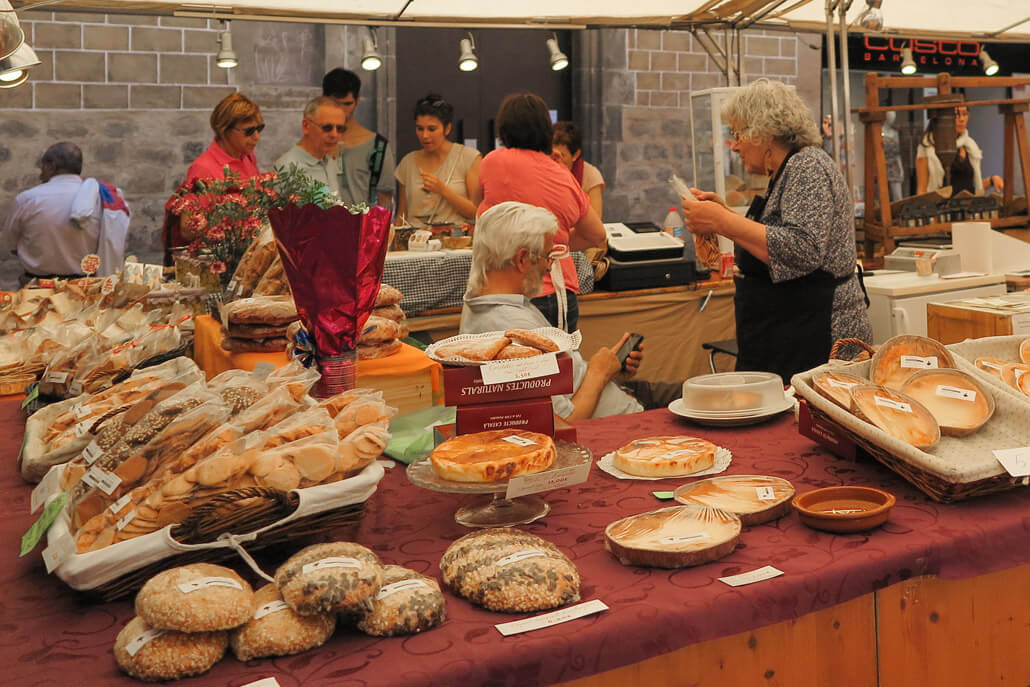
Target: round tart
<point>753,498</point>
<point>493,456</point>
<point>837,386</point>
<point>990,365</point>
<point>901,357</point>
<point>665,456</point>
<point>959,403</point>
<point>675,537</point>
<point>1013,373</point>
<point>899,415</point>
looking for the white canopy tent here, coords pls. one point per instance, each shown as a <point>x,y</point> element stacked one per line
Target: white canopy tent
<point>995,20</point>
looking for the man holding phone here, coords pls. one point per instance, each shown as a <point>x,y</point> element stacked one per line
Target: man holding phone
<point>510,256</point>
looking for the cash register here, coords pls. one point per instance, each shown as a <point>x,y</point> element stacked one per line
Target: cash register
<point>943,258</point>
<point>641,256</point>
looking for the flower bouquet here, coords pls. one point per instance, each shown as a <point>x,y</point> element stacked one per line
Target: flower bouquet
<point>333,256</point>
<point>223,215</point>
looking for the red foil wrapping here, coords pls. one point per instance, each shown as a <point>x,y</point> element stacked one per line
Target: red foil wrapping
<point>334,262</point>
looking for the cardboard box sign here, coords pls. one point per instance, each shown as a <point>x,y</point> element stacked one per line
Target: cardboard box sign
<point>825,433</point>
<point>532,415</point>
<point>464,385</point>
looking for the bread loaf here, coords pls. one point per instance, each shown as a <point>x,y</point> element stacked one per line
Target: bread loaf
<point>199,597</point>
<point>388,295</point>
<point>407,603</point>
<point>275,629</point>
<point>151,654</point>
<point>338,576</point>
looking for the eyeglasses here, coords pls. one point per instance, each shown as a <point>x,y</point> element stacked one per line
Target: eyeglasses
<point>736,136</point>
<point>326,128</point>
<point>251,130</point>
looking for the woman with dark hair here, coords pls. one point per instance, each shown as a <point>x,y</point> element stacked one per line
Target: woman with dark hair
<point>567,149</point>
<point>524,171</point>
<point>435,184</point>
<point>965,169</point>
<point>237,124</point>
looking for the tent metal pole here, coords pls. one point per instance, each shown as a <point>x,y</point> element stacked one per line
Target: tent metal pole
<point>831,61</point>
<point>849,148</point>
<point>740,61</point>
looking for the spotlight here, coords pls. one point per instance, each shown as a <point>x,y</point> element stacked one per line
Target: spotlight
<point>371,60</point>
<point>14,69</point>
<point>468,62</point>
<point>908,65</point>
<point>226,58</point>
<point>559,60</point>
<point>872,18</point>
<point>990,67</point>
<point>11,34</point>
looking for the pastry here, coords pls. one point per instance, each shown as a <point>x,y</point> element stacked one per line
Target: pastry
<point>275,629</point>
<point>514,350</point>
<point>836,386</point>
<point>674,537</point>
<point>959,403</point>
<point>527,337</point>
<point>493,456</point>
<point>151,654</point>
<point>406,603</point>
<point>199,597</point>
<point>901,357</point>
<point>379,350</point>
<point>475,349</point>
<point>665,456</point>
<point>388,295</point>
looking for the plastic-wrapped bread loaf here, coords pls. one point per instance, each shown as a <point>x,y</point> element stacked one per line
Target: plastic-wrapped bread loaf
<point>273,282</point>
<point>381,330</point>
<point>275,310</point>
<point>254,263</point>
<point>407,603</point>
<point>388,295</point>
<point>338,576</point>
<point>296,378</point>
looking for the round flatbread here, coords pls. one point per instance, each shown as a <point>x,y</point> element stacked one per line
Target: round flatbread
<point>665,456</point>
<point>528,337</point>
<point>493,456</point>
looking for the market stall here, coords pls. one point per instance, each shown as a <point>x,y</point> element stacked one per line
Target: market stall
<point>667,623</point>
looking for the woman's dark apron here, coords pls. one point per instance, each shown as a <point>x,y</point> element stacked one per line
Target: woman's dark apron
<point>782,327</point>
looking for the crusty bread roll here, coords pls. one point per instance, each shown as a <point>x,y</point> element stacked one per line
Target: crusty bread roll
<point>388,295</point>
<point>199,597</point>
<point>338,576</point>
<point>407,602</point>
<point>276,630</point>
<point>149,654</point>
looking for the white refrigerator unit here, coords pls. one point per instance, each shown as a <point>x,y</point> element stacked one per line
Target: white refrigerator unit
<point>897,300</point>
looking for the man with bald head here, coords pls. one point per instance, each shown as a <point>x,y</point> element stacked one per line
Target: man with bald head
<point>40,229</point>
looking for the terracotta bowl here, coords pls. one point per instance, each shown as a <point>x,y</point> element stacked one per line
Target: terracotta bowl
<point>844,509</point>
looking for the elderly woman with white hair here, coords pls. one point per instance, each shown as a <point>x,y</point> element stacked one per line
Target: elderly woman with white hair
<point>797,290</point>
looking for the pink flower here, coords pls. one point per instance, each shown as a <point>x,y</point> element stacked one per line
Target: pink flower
<point>217,267</point>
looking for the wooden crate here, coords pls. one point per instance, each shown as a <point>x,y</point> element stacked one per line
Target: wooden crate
<point>407,393</point>
<point>975,318</point>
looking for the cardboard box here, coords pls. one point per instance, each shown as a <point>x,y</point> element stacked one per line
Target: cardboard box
<point>464,385</point>
<point>533,415</point>
<point>825,433</point>
<point>563,431</point>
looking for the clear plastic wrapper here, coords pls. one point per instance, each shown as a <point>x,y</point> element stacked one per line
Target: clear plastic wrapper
<point>296,378</point>
<point>276,406</point>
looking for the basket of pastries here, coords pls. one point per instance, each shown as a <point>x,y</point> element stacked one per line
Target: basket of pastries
<point>166,467</point>
<point>932,413</point>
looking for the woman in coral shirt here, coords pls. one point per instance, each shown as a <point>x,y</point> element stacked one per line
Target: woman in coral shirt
<point>524,171</point>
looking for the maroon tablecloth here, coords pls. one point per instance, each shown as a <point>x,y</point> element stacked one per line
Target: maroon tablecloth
<point>53,636</point>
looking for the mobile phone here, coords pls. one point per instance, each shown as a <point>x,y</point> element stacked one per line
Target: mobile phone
<point>631,345</point>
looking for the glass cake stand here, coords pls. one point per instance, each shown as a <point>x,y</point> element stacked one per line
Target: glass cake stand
<point>499,511</point>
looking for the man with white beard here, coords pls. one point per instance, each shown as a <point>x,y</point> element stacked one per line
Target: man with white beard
<point>511,252</point>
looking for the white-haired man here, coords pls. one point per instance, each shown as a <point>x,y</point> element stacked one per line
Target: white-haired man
<point>322,126</point>
<point>510,255</point>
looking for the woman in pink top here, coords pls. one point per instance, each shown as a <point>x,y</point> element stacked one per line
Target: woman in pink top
<point>237,124</point>
<point>524,171</point>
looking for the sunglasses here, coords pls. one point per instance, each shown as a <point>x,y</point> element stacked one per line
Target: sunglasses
<point>251,130</point>
<point>326,128</point>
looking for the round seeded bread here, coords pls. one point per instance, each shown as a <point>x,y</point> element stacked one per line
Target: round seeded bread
<point>508,570</point>
<point>277,630</point>
<point>170,656</point>
<point>181,599</point>
<point>407,602</point>
<point>338,576</point>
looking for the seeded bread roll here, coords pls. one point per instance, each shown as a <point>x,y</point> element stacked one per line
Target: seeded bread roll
<point>390,312</point>
<point>380,350</point>
<point>149,654</point>
<point>508,570</point>
<point>195,598</point>
<point>276,630</point>
<point>407,603</point>
<point>339,576</point>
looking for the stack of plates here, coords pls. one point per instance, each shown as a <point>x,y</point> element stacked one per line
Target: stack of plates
<point>732,418</point>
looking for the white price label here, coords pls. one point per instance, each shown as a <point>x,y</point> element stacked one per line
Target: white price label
<point>142,639</point>
<point>270,608</point>
<point>109,284</point>
<point>401,586</point>
<point>205,582</point>
<point>919,363</point>
<point>56,377</point>
<point>80,411</point>
<point>75,388</point>
<point>766,573</point>
<point>956,392</point>
<point>502,371</point>
<point>332,562</point>
<point>233,285</point>
<point>546,481</point>
<point>58,551</point>
<point>685,538</point>
<point>841,385</point>
<point>82,429</point>
<point>519,441</point>
<point>988,363</point>
<point>1015,460</point>
<point>891,403</point>
<point>1021,323</point>
<point>120,503</point>
<point>263,682</point>
<point>101,479</point>
<point>765,493</point>
<point>49,486</point>
<point>124,521</point>
<point>517,556</point>
<point>562,615</point>
<point>91,452</point>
